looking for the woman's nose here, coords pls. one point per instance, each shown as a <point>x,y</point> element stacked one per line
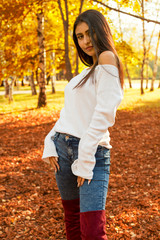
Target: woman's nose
<point>86,39</point>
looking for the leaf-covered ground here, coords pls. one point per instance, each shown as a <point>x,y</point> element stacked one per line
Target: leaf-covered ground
<point>30,205</point>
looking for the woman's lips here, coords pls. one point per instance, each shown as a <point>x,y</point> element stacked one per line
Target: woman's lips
<point>89,48</point>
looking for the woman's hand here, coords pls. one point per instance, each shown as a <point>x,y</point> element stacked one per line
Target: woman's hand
<point>54,163</point>
<point>80,181</point>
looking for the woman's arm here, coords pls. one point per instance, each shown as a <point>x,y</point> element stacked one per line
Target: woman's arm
<point>49,147</point>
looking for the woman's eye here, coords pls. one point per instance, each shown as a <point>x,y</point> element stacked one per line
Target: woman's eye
<point>80,37</point>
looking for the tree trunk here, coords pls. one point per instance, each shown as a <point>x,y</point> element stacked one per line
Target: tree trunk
<point>144,49</point>
<point>147,71</point>
<point>18,84</point>
<point>53,77</point>
<point>37,77</point>
<point>128,75</point>
<point>48,78</point>
<point>69,74</point>
<point>2,83</point>
<point>42,89</point>
<point>125,60</point>
<point>53,80</point>
<point>22,84</point>
<point>142,77</point>
<point>77,63</point>
<point>155,64</point>
<point>11,90</point>
<point>147,55</point>
<point>77,59</point>
<point>6,88</point>
<point>33,88</point>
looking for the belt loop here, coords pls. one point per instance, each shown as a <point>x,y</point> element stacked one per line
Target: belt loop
<point>56,135</point>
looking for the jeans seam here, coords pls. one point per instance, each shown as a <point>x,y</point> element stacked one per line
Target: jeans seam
<point>103,186</point>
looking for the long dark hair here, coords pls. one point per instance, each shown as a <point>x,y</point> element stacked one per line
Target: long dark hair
<point>103,42</point>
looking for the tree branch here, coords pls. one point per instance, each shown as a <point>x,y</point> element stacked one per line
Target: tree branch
<point>130,14</point>
<point>66,7</point>
<point>60,8</point>
<point>81,5</point>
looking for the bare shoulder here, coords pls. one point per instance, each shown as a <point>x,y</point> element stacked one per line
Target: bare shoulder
<point>107,57</point>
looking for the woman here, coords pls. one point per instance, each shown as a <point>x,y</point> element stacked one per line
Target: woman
<point>78,146</point>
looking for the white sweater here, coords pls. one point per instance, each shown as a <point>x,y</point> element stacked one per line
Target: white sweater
<point>87,114</point>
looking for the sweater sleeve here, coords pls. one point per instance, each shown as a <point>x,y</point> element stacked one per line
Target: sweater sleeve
<point>108,97</point>
<point>49,147</point>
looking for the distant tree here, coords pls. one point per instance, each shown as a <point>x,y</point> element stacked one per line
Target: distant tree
<point>155,64</point>
<point>65,19</point>
<point>40,33</point>
<point>32,84</point>
<point>144,46</point>
<point>77,59</point>
<point>123,47</point>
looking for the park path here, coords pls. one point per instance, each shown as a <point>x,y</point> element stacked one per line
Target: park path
<point>30,206</point>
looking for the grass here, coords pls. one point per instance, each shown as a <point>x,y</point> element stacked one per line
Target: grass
<point>132,100</point>
<point>59,84</point>
<point>26,101</point>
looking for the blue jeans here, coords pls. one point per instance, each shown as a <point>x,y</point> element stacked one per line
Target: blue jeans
<point>92,196</point>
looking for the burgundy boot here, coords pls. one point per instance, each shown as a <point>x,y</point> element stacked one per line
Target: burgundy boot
<point>93,225</point>
<point>72,219</point>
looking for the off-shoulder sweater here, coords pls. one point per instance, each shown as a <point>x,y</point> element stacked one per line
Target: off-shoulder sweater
<point>87,114</point>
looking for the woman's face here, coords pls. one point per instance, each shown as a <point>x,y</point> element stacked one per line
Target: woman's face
<point>84,40</point>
